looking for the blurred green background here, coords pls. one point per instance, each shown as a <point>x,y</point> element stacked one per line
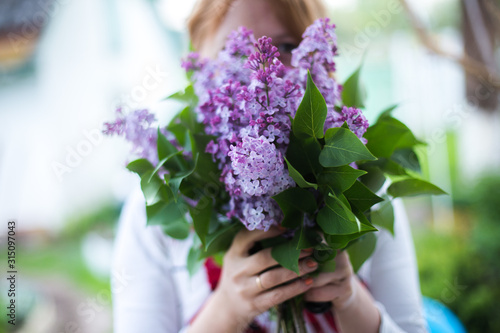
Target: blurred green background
<point>64,66</point>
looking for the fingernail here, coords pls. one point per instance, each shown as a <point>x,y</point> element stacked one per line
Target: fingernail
<point>310,262</point>
<point>308,281</point>
<point>310,250</point>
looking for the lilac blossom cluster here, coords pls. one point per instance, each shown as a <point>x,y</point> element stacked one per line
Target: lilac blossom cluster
<point>316,54</point>
<point>247,106</point>
<point>356,121</point>
<point>246,98</point>
<point>137,128</point>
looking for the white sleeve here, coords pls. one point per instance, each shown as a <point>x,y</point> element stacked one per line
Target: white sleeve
<point>392,277</point>
<point>152,290</point>
<point>146,299</point>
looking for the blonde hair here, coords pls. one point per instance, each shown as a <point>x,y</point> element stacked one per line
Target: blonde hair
<point>295,15</point>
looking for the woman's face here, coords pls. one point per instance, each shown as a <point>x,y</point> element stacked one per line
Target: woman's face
<point>258,16</point>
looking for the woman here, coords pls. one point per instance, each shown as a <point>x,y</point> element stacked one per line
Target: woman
<point>159,296</point>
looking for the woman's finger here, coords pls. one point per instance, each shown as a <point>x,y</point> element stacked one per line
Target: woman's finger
<point>263,260</point>
<point>342,258</point>
<point>340,295</point>
<point>339,276</point>
<point>278,295</point>
<point>277,276</point>
<point>325,293</point>
<point>245,239</point>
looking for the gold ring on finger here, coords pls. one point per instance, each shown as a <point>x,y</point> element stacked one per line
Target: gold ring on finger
<point>259,283</point>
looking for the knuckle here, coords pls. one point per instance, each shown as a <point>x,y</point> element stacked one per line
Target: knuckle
<point>266,281</point>
<point>240,291</point>
<point>276,297</point>
<point>294,288</point>
<point>308,265</point>
<point>267,255</point>
<point>237,278</point>
<point>265,304</point>
<point>312,294</point>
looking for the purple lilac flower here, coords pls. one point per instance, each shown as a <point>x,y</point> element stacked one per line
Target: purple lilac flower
<point>193,62</point>
<point>257,173</point>
<point>356,121</point>
<point>354,118</point>
<point>137,128</point>
<point>257,167</point>
<point>240,43</point>
<point>316,53</point>
<point>246,98</point>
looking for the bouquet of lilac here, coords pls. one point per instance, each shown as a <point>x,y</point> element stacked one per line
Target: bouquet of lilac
<point>259,144</point>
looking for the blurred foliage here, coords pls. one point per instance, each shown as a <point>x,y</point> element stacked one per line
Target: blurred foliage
<point>389,15</point>
<point>461,268</point>
<point>62,255</point>
<point>61,259</point>
<point>102,220</point>
<point>43,259</point>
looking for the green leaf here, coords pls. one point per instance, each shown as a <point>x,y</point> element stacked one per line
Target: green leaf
<point>340,178</point>
<point>374,179</point>
<point>303,154</point>
<point>186,96</point>
<point>163,161</point>
<point>407,158</point>
<point>163,212</point>
<point>387,135</point>
<point>387,112</point>
<point>342,241</point>
<point>201,215</point>
<point>153,188</point>
<point>140,166</point>
<point>363,220</point>
<point>343,199</point>
<point>310,118</point>
<point>179,131</point>
<point>298,178</point>
<point>221,239</point>
<point>177,229</point>
<point>271,242</point>
<point>337,219</point>
<point>188,118</point>
<point>361,196</point>
<point>287,254</point>
<point>175,182</point>
<point>193,260</point>
<point>206,167</point>
<point>413,187</point>
<point>384,216</point>
<point>293,203</point>
<point>361,250</point>
<point>309,238</point>
<point>343,147</point>
<point>296,198</point>
<point>323,252</point>
<point>179,128</point>
<point>166,149</point>
<point>392,168</point>
<point>325,256</point>
<point>170,216</point>
<point>353,93</point>
<point>327,266</point>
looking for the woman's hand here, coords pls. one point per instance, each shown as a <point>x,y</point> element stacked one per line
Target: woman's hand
<point>353,306</point>
<point>251,284</point>
<point>335,287</point>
